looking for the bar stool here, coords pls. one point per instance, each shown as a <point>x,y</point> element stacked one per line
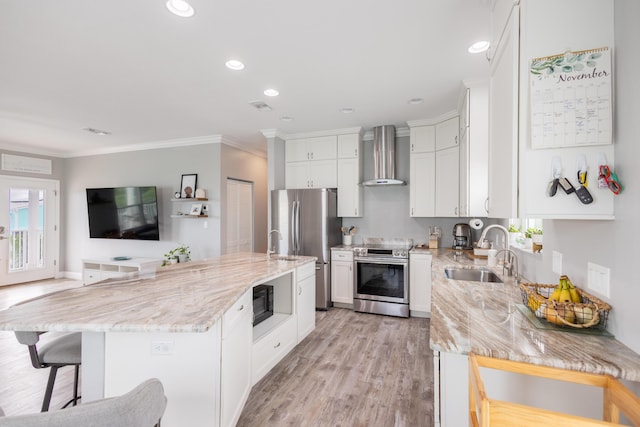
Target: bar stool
<point>60,352</point>
<point>143,406</point>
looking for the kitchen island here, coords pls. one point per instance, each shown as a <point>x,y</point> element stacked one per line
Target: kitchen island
<point>483,318</point>
<point>180,325</point>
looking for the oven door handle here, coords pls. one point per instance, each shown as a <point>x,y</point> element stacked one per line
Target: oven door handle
<point>390,261</point>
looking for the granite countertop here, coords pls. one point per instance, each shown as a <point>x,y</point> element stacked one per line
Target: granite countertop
<point>188,297</point>
<point>482,318</point>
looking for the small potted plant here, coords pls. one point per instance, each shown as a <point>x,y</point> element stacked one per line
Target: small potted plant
<point>180,253</point>
<point>536,235</point>
<point>514,232</point>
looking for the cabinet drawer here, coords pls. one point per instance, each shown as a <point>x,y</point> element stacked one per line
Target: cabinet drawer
<point>271,348</point>
<point>306,271</point>
<point>90,276</point>
<point>342,255</point>
<point>237,312</point>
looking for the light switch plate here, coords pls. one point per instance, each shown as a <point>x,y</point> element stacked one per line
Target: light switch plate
<point>598,278</point>
<point>556,263</point>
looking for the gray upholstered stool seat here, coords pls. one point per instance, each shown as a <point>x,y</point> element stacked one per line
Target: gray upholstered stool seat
<point>141,407</point>
<point>55,354</point>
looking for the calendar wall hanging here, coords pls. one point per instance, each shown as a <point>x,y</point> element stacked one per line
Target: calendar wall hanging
<point>571,99</point>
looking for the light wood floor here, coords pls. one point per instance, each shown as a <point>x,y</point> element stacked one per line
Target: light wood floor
<point>354,369</point>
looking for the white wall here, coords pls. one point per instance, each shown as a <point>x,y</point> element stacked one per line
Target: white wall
<point>162,168</point>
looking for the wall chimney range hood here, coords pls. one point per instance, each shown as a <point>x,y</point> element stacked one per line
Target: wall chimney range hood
<point>384,157</point>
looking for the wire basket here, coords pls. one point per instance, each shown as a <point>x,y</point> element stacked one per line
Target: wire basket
<point>590,312</point>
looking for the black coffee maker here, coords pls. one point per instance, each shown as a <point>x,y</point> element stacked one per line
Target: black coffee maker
<point>462,236</point>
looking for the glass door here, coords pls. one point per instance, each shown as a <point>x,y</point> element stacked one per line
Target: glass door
<point>28,229</point>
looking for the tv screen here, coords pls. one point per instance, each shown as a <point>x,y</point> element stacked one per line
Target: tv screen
<point>123,213</point>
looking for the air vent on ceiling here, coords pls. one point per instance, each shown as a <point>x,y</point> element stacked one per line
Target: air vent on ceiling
<point>260,105</point>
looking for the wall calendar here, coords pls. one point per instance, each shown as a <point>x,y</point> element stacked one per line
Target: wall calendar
<point>571,99</point>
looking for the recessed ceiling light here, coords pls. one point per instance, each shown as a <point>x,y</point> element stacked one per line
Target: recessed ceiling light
<point>97,131</point>
<point>271,92</point>
<point>286,118</point>
<point>415,101</point>
<point>234,64</point>
<point>347,110</point>
<point>180,8</point>
<point>479,47</point>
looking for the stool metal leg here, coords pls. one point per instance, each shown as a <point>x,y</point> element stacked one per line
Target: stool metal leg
<point>49,391</point>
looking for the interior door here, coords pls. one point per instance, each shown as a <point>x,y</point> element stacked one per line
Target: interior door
<point>239,216</point>
<point>29,241</point>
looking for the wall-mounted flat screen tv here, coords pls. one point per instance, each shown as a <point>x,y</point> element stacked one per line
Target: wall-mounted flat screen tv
<point>123,213</point>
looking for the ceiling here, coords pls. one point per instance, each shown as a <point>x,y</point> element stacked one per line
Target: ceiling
<point>151,78</point>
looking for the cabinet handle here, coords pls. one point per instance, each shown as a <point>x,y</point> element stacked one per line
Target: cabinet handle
<point>312,155</point>
<point>411,147</point>
<point>356,152</point>
<point>456,139</point>
<point>241,307</point>
<point>299,290</point>
<point>277,345</point>
<point>355,211</point>
<point>308,156</point>
<point>486,205</point>
<point>411,211</point>
<point>455,211</point>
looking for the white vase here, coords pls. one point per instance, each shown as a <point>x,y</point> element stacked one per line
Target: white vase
<point>346,240</point>
<point>182,258</point>
<point>537,238</point>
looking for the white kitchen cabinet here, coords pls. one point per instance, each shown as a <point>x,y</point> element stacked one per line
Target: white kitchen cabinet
<point>317,148</point>
<point>422,184</point>
<point>420,284</point>
<point>423,139</point>
<point>311,162</point>
<point>312,174</point>
<point>503,108</point>
<point>447,134</point>
<point>306,300</point>
<point>235,374</point>
<point>342,276</point>
<point>447,182</point>
<point>474,146</point>
<point>350,192</point>
<point>519,174</point>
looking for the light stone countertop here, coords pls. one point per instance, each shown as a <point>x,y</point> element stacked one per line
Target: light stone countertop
<point>188,297</point>
<point>460,324</point>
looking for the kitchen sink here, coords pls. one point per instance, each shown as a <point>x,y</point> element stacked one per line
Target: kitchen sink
<point>471,274</point>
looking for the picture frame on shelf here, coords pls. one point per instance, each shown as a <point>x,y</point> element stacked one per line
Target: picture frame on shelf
<point>196,209</point>
<point>188,185</point>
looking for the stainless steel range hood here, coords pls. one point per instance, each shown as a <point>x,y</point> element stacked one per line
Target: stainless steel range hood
<point>384,157</point>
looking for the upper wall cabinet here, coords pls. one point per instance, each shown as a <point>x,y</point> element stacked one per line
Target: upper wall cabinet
<point>447,169</point>
<point>311,162</point>
<point>350,192</point>
<point>474,154</point>
<point>423,139</point>
<point>422,171</point>
<point>518,174</point>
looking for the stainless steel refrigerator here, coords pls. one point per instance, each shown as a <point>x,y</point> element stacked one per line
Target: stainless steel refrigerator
<point>308,222</point>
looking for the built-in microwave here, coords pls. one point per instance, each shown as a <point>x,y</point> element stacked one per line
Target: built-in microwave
<point>262,303</point>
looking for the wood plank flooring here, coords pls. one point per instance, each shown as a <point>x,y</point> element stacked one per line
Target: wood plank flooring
<point>354,369</point>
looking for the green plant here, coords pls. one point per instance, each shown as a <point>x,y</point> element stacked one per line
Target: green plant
<point>530,231</point>
<point>176,252</point>
<point>514,228</point>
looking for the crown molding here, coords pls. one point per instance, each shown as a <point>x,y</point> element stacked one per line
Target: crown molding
<point>429,122</point>
<point>170,143</point>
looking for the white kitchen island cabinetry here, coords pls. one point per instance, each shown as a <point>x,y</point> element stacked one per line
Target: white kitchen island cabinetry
<point>311,162</point>
<point>306,300</point>
<point>350,192</point>
<point>420,284</point>
<point>97,269</point>
<point>342,277</point>
<point>235,372</point>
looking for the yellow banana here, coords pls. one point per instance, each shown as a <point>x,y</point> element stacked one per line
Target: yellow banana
<point>575,295</point>
<point>555,295</point>
<point>565,295</point>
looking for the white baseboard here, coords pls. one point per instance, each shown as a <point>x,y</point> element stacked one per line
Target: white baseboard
<point>69,275</point>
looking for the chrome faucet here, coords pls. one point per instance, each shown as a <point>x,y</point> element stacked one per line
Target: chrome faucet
<point>500,227</point>
<point>272,249</point>
<point>509,264</point>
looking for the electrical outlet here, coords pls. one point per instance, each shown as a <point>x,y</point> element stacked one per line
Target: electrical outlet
<point>162,347</point>
<point>598,278</point>
<point>556,263</point>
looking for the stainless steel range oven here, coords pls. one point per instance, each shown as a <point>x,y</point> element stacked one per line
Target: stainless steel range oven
<point>381,282</point>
